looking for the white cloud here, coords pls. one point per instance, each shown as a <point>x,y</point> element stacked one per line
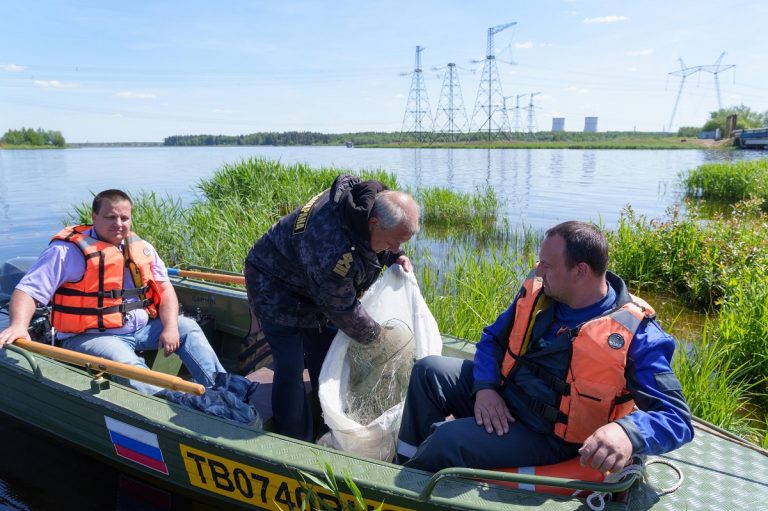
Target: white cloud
<point>577,90</point>
<point>526,45</point>
<point>55,84</point>
<point>12,68</point>
<point>632,69</point>
<point>640,53</point>
<point>135,95</point>
<point>605,19</point>
<point>222,111</point>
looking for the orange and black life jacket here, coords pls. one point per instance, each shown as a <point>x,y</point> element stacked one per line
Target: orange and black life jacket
<point>97,300</point>
<point>594,391</point>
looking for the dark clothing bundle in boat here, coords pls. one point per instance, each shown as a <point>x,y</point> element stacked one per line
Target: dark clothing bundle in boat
<point>228,398</point>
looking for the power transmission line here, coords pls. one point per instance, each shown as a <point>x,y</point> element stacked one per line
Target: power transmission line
<point>685,72</point>
<point>490,112</point>
<point>451,116</point>
<point>418,117</point>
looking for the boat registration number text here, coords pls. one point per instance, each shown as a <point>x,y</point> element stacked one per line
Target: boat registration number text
<point>256,486</point>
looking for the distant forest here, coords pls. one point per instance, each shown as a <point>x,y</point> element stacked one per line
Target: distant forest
<point>305,138</point>
<point>30,137</point>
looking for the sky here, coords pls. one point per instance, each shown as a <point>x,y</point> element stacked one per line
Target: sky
<point>141,71</point>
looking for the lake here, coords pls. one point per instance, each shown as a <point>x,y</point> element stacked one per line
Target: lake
<point>538,187</point>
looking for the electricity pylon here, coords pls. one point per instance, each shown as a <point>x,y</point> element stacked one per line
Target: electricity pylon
<point>451,117</point>
<point>418,117</point>
<point>684,72</point>
<point>715,69</point>
<point>532,115</point>
<point>516,126</point>
<point>490,97</point>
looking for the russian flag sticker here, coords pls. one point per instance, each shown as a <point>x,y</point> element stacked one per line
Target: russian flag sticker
<point>136,444</point>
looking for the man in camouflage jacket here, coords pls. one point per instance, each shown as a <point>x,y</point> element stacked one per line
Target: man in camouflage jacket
<point>305,277</point>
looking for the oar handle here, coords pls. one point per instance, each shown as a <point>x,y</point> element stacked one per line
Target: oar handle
<point>110,366</point>
<point>204,275</point>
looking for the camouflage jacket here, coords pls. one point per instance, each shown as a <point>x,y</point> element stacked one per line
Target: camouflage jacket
<point>313,265</point>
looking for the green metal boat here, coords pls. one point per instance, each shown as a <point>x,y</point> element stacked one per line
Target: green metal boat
<point>235,465</point>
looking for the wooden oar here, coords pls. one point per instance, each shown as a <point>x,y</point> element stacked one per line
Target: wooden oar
<point>204,275</point>
<point>110,366</point>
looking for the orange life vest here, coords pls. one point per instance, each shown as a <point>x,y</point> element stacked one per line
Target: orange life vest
<point>97,300</point>
<point>594,392</point>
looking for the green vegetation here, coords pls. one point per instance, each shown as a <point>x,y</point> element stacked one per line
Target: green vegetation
<point>451,209</point>
<point>745,118</point>
<point>542,139</point>
<point>29,138</point>
<point>718,264</point>
<point>340,502</point>
<point>470,265</point>
<point>729,182</point>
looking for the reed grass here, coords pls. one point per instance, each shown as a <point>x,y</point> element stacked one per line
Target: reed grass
<point>729,182</point>
<point>717,386</point>
<point>699,260</point>
<point>446,208</point>
<point>470,286</point>
<point>470,265</point>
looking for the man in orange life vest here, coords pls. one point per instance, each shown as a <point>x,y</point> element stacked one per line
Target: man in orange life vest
<point>575,366</point>
<point>111,296</point>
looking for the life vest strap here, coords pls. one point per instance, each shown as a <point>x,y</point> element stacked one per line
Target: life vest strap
<point>114,293</point>
<point>557,384</point>
<point>542,409</point>
<point>123,308</point>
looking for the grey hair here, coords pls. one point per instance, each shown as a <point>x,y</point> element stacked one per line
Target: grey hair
<point>392,209</point>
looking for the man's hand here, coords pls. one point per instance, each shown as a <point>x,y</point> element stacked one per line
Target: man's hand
<point>491,411</point>
<point>22,308</point>
<point>609,449</point>
<point>405,263</point>
<point>12,333</point>
<point>169,340</point>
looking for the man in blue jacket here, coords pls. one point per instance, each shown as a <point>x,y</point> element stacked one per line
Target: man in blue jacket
<point>575,366</point>
<point>305,277</point>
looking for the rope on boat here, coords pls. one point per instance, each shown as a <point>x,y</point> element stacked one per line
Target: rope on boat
<point>596,500</point>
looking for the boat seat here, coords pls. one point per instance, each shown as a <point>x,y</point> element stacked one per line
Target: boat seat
<point>157,361</point>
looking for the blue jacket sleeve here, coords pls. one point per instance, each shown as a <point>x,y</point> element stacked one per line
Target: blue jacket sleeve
<point>662,421</point>
<point>489,352</point>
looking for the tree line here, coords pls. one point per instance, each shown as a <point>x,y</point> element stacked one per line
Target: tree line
<point>30,137</point>
<point>746,118</point>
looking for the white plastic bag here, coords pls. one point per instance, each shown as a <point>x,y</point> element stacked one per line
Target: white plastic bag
<point>395,295</point>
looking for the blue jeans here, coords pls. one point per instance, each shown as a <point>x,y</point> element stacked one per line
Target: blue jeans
<point>194,350</point>
<point>295,414</point>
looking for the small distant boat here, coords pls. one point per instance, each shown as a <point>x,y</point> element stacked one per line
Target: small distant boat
<point>235,465</point>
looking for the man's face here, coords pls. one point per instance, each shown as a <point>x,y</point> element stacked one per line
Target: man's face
<point>113,221</point>
<point>387,239</point>
<point>559,281</point>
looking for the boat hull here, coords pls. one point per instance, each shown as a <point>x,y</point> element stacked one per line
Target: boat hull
<point>235,465</point>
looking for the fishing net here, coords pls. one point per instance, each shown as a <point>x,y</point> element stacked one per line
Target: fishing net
<point>379,372</point>
<point>362,387</point>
